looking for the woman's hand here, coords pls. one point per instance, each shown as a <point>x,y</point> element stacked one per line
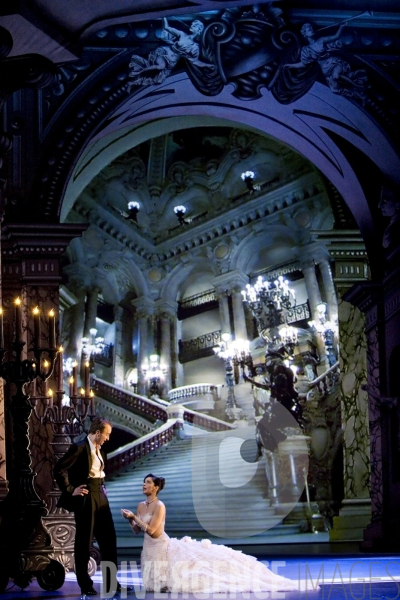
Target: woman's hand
<point>127,514</point>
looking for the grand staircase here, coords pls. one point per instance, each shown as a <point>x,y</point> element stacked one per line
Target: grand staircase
<point>242,514</point>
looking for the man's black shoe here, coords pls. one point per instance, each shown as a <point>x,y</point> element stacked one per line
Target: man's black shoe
<point>89,592</point>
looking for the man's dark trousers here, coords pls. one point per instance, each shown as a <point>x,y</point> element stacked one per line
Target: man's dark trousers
<point>93,518</point>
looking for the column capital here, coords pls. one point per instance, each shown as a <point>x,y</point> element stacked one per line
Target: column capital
<point>166,309</point>
<point>144,306</point>
<point>312,254</point>
<point>230,281</point>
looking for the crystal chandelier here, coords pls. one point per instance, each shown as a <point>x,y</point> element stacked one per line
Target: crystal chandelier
<point>269,302</point>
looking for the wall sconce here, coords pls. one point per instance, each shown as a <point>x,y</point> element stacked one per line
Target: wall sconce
<point>248,177</point>
<point>133,210</point>
<point>180,211</point>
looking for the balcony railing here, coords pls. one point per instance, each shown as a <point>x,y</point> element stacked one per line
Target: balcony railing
<point>197,304</point>
<point>199,347</point>
<point>105,357</point>
<point>298,313</point>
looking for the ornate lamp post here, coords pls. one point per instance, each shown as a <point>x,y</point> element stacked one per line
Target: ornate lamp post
<point>230,351</point>
<point>153,372</point>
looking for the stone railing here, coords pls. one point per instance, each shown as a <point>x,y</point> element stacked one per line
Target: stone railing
<point>153,409</point>
<point>205,421</point>
<point>124,456</point>
<point>323,385</point>
<point>198,299</point>
<point>148,408</point>
<point>187,391</point>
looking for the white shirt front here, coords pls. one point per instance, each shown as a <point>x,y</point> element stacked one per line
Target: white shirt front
<point>96,470</point>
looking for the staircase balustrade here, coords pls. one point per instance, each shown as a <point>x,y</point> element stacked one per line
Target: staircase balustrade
<point>323,385</point>
<point>124,456</point>
<point>186,391</point>
<point>206,421</point>
<point>140,404</point>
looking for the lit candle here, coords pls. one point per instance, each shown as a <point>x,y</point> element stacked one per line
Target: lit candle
<point>60,369</point>
<point>50,397</point>
<point>87,378</point>
<point>82,397</point>
<point>36,326</point>
<point>52,329</point>
<point>92,402</point>
<point>45,374</point>
<point>1,329</point>
<point>18,319</point>
<point>75,378</point>
<point>71,386</point>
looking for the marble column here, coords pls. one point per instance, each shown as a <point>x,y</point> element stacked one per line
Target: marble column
<point>329,287</point>
<point>223,307</point>
<point>119,345</point>
<point>90,311</point>
<point>239,317</point>
<point>75,321</point>
<point>165,354</point>
<point>144,312</point>
<point>314,298</point>
<point>232,282</point>
<point>355,512</point>
<point>178,375</point>
<point>312,286</point>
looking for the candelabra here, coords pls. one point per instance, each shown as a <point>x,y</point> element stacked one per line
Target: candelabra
<point>28,549</point>
<point>153,372</point>
<point>269,302</point>
<point>231,352</point>
<point>66,418</point>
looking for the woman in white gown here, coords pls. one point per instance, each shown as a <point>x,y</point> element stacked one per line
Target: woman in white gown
<point>186,565</point>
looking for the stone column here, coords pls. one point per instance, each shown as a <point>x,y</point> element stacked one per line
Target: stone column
<point>239,317</point>
<point>119,346</point>
<point>178,376</point>
<point>75,330</point>
<point>232,282</point>
<point>314,298</point>
<point>165,354</point>
<point>355,512</point>
<point>312,286</point>
<point>329,287</point>
<point>144,310</point>
<point>350,266</point>
<point>90,311</point>
<point>223,306</point>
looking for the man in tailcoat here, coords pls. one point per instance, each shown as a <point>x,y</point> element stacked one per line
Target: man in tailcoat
<point>80,476</point>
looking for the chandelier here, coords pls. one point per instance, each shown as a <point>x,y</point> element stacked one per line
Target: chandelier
<point>269,302</point>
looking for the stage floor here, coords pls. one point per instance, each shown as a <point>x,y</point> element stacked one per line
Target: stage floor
<point>332,578</point>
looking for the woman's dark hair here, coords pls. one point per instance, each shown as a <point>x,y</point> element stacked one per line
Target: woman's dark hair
<point>158,481</point>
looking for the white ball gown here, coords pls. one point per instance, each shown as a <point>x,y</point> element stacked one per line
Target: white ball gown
<point>187,565</point>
